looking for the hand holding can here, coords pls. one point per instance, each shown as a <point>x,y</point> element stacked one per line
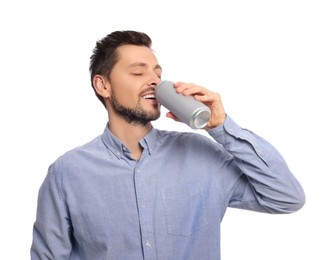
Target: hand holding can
<point>189,111</point>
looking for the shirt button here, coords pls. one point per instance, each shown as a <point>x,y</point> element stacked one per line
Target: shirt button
<point>148,244</point>
<point>142,205</point>
<point>138,170</point>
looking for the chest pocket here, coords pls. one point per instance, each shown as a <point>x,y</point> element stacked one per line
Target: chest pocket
<point>185,209</point>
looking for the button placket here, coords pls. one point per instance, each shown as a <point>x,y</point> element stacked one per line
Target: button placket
<point>144,211</point>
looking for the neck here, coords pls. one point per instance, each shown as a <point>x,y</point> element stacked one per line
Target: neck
<point>129,134</point>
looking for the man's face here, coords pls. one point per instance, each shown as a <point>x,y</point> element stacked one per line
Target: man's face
<point>133,81</point>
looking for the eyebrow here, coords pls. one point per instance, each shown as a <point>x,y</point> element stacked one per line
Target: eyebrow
<point>144,65</point>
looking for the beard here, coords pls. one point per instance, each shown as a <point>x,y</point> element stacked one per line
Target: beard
<point>137,115</point>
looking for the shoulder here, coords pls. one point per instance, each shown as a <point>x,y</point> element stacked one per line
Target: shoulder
<point>189,138</point>
<point>78,154</point>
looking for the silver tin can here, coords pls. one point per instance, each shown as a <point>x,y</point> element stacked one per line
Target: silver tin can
<point>189,111</point>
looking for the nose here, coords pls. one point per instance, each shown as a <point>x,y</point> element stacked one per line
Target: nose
<point>155,80</point>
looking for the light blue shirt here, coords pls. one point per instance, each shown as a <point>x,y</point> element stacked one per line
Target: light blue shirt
<point>98,203</point>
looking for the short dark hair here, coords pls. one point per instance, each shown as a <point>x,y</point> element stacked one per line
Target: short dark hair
<point>105,56</point>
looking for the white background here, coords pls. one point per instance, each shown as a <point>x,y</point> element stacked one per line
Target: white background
<point>265,58</point>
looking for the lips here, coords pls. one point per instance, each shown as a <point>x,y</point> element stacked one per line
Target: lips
<point>149,96</point>
<point>148,93</point>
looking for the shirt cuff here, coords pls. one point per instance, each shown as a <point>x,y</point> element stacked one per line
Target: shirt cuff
<point>231,134</point>
<point>225,132</point>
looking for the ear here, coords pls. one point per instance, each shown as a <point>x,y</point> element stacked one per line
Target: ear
<point>101,86</point>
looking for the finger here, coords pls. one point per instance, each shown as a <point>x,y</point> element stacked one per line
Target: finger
<point>172,116</point>
<point>189,89</point>
<point>207,97</point>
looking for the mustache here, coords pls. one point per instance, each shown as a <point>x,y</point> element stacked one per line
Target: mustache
<point>149,89</point>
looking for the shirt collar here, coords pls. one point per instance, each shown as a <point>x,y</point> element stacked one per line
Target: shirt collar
<point>117,147</point>
<point>149,140</point>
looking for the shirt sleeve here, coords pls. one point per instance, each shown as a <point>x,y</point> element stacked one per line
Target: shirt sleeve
<point>267,184</point>
<point>52,228</point>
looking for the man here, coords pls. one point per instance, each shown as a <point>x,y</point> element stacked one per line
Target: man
<point>136,192</point>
